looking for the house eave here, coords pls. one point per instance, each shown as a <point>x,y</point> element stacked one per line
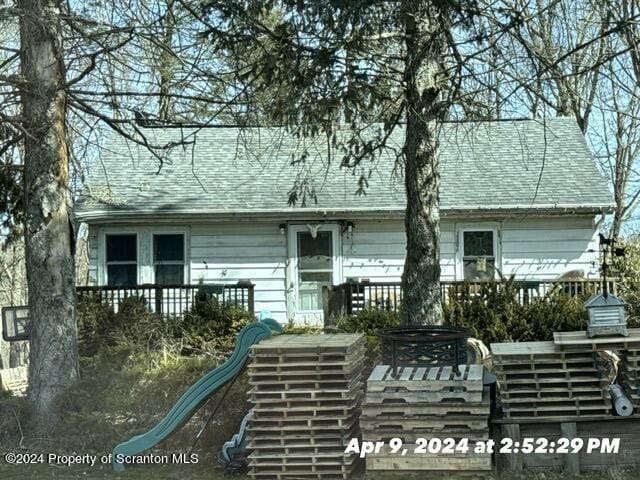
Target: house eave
<point>117,215</point>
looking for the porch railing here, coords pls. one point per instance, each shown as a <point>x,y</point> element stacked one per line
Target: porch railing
<point>174,299</point>
<point>350,298</point>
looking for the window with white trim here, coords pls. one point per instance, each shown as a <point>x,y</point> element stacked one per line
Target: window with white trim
<point>478,255</point>
<point>122,259</point>
<point>168,258</point>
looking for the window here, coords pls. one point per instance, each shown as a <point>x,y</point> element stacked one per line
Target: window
<point>122,259</point>
<point>168,259</point>
<point>315,268</point>
<point>478,255</point>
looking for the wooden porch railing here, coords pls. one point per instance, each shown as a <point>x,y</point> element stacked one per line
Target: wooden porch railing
<point>350,298</point>
<point>174,299</point>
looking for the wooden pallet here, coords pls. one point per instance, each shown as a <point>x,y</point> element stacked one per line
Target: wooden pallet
<point>293,413</point>
<point>267,472</point>
<point>259,475</point>
<point>296,466</point>
<point>430,474</point>
<point>530,367</point>
<point>412,436</point>
<point>404,397</point>
<point>334,419</point>
<point>625,428</point>
<point>426,379</point>
<point>522,403</point>
<point>283,398</point>
<point>518,353</point>
<point>320,376</point>
<point>568,341</point>
<point>559,412</point>
<point>428,409</point>
<point>302,384</point>
<point>306,391</point>
<point>311,368</point>
<point>582,392</point>
<point>450,462</point>
<point>304,440</point>
<point>284,345</point>
<point>327,401</point>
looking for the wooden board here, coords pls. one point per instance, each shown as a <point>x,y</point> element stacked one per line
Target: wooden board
<point>449,462</point>
<point>558,412</point>
<point>302,395</point>
<point>625,428</point>
<point>301,423</point>
<point>413,435</point>
<point>525,392</point>
<point>262,378</point>
<point>308,403</point>
<point>306,368</point>
<point>339,438</point>
<point>304,385</point>
<point>258,474</point>
<point>580,340</point>
<point>426,409</point>
<point>320,472</point>
<point>320,344</point>
<point>304,412</point>
<point>445,396</point>
<point>403,424</point>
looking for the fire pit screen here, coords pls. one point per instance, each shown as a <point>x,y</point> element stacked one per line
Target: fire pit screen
<point>427,345</point>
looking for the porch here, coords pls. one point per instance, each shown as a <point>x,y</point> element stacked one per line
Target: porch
<point>352,297</point>
<point>174,300</point>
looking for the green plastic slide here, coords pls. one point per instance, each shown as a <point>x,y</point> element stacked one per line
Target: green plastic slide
<point>198,394</point>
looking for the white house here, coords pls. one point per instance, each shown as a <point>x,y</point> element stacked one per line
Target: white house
<point>523,198</point>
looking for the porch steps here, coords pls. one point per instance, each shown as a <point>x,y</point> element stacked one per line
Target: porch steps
<point>306,395</point>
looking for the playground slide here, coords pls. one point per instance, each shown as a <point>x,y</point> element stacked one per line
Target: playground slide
<point>198,394</point>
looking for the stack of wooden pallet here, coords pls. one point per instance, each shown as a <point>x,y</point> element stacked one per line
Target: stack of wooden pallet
<point>540,379</point>
<point>628,348</point>
<point>306,394</point>
<point>630,373</point>
<point>418,404</point>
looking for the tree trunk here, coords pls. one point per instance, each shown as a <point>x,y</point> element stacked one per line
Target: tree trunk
<point>425,27</point>
<point>53,361</point>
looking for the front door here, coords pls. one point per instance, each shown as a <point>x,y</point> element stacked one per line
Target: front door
<point>314,253</point>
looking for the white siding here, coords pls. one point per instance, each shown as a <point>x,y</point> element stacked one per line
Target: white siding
<point>227,253</point>
<point>530,248</point>
<point>543,249</point>
<point>376,250</point>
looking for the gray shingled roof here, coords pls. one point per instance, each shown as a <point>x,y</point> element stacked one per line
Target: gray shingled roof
<point>487,166</point>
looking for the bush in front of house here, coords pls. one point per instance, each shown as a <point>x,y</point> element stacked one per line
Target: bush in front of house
<point>367,321</point>
<point>302,329</point>
<point>133,325</point>
<point>493,313</point>
<point>210,327</point>
<point>96,323</point>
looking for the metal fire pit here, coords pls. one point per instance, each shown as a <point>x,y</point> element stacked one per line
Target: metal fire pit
<point>427,345</point>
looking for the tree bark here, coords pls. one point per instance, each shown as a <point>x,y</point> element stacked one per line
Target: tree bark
<point>425,27</point>
<point>53,361</point>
